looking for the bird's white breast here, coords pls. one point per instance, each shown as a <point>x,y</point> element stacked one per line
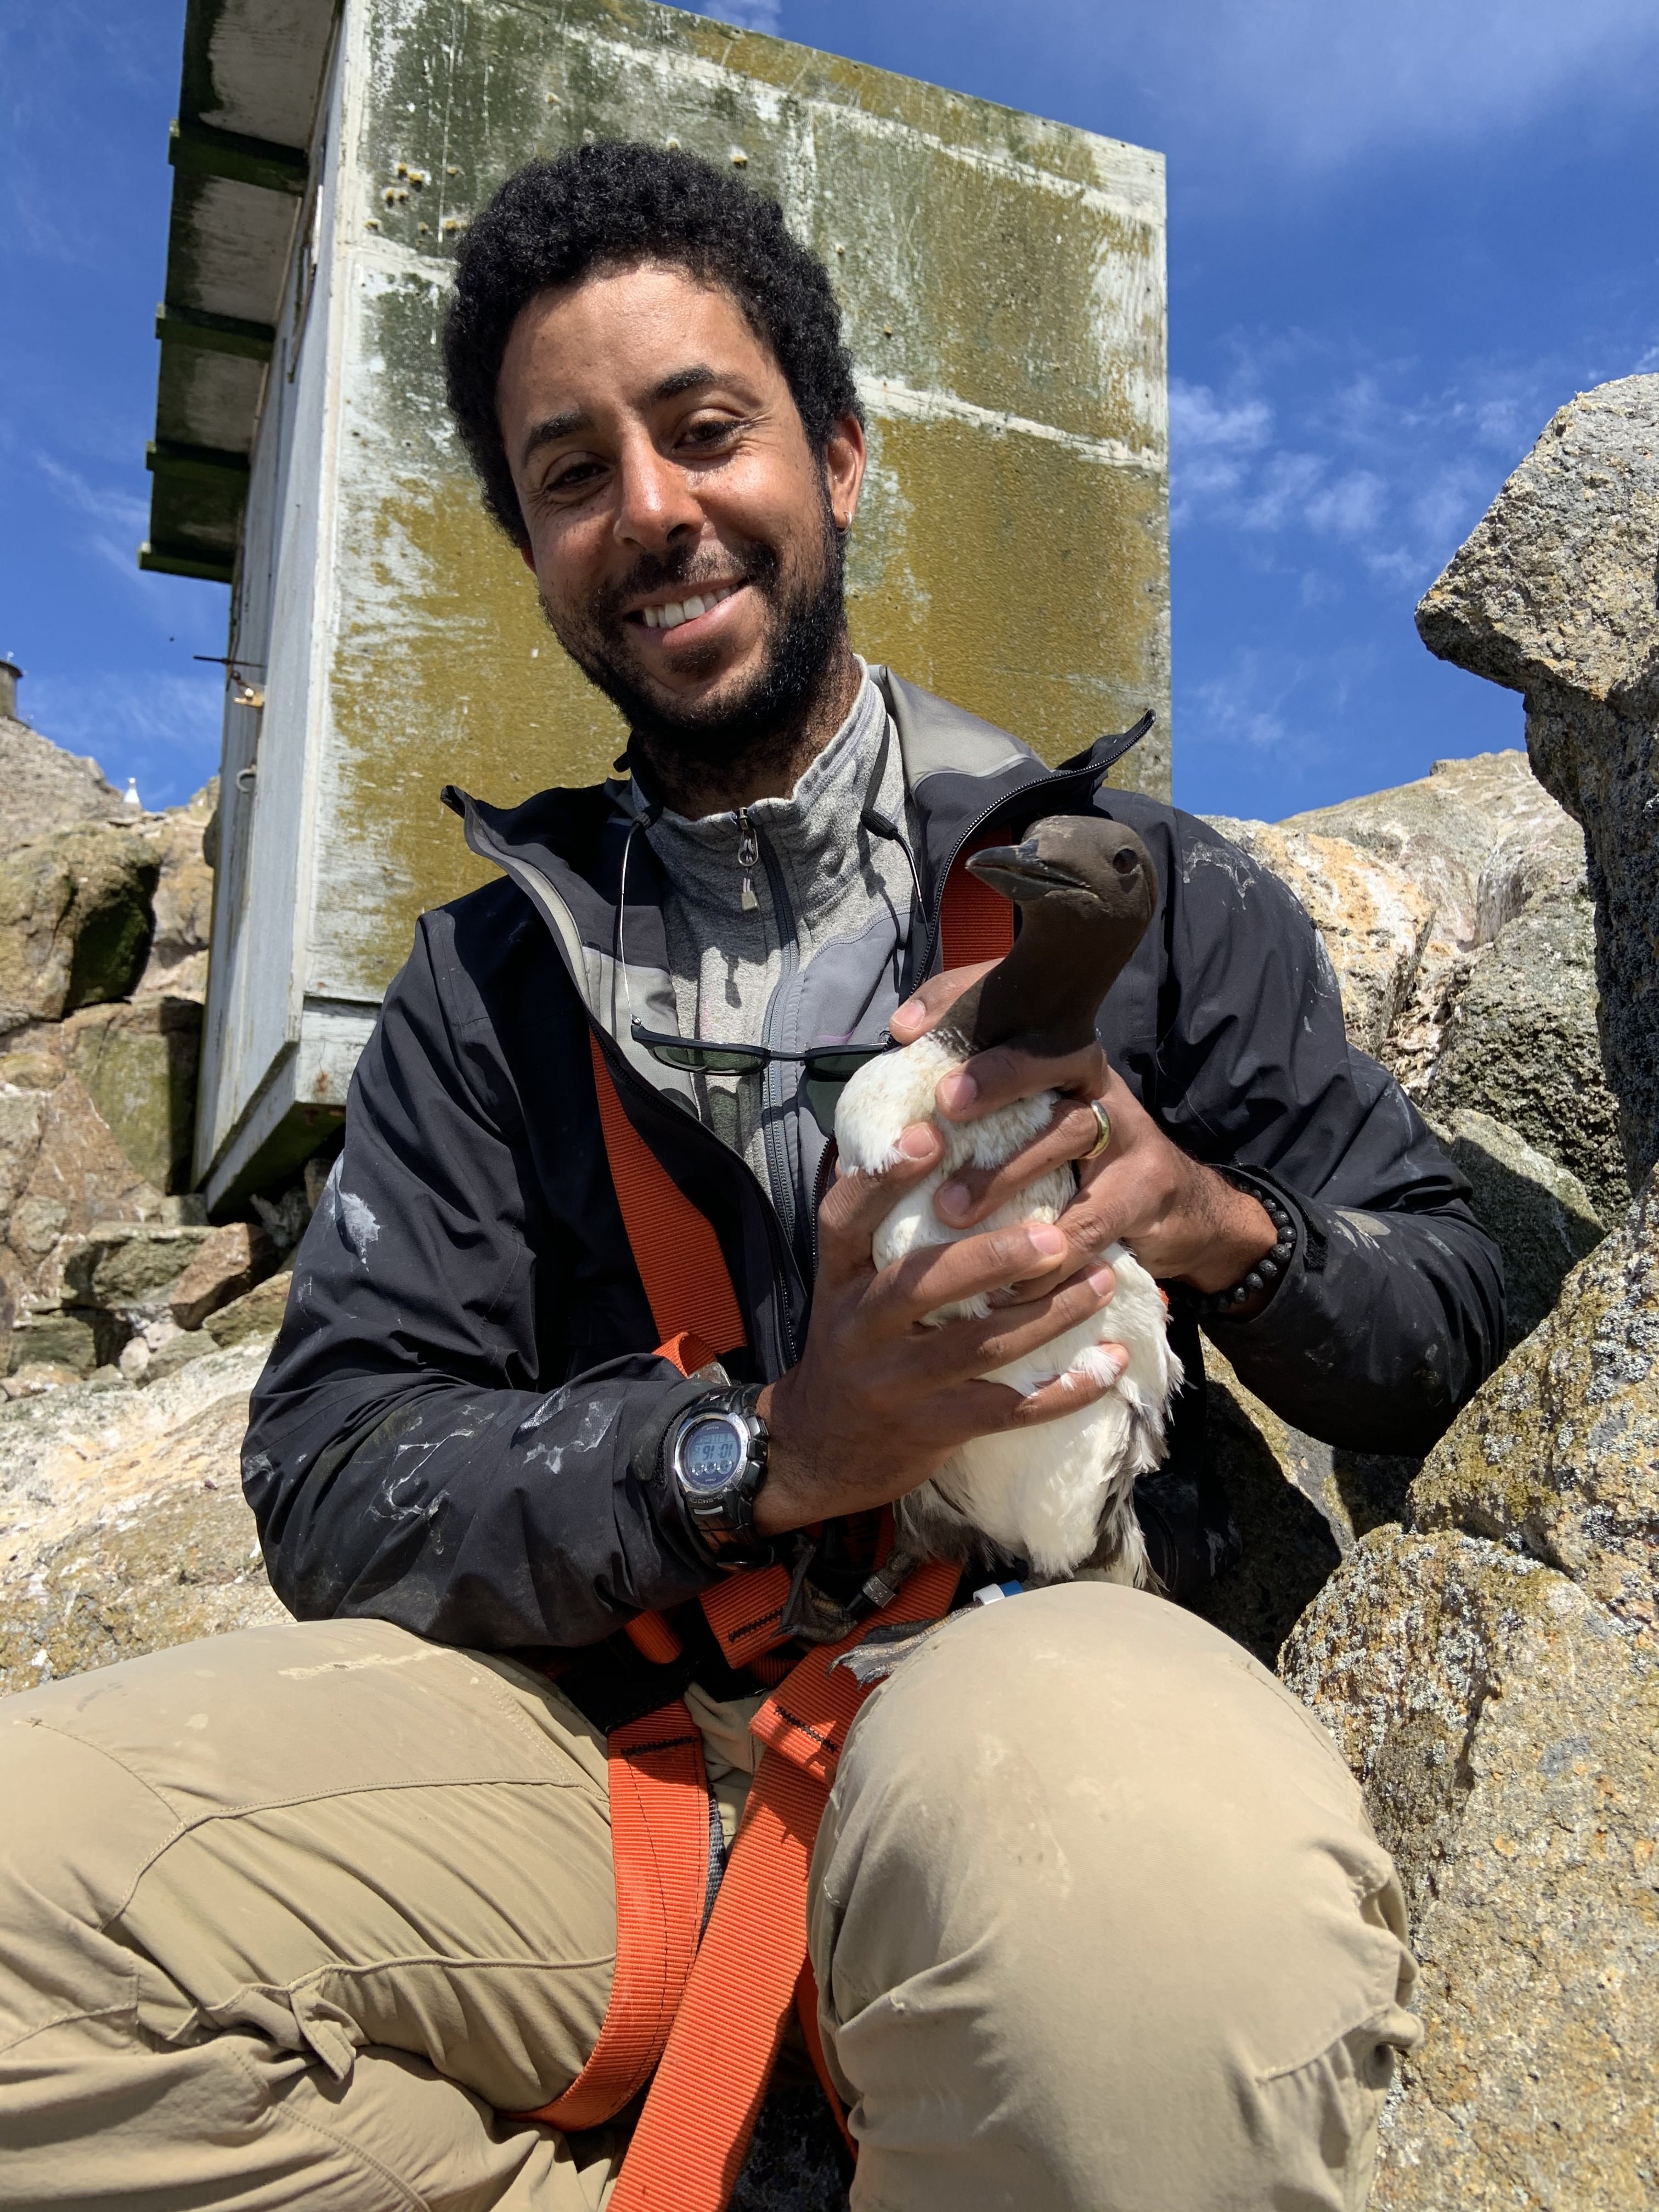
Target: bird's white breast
<point>1040,1494</point>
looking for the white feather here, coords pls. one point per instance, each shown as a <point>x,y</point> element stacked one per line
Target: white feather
<point>1057,1494</point>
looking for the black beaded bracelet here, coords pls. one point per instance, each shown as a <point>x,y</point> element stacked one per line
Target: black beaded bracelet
<point>1266,1271</point>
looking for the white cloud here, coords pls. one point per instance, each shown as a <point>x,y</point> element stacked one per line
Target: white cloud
<point>1352,506</point>
<point>1314,85</point>
<point>1198,420</point>
<point>1300,445</point>
<point>747,15</point>
<point>118,520</point>
<point>1289,712</point>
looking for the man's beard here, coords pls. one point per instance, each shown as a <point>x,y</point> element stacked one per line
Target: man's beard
<point>759,727</point>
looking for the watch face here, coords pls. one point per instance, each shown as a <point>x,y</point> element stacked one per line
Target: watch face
<point>712,1453</point>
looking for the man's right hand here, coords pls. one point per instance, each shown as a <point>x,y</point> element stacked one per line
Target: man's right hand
<point>879,1400</point>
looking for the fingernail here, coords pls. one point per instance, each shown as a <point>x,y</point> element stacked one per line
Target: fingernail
<point>912,1011</point>
<point>1103,1282</point>
<point>958,1091</point>
<point>953,1199</point>
<point>1047,1242</point>
<point>1116,1357</point>
<point>917,1142</point>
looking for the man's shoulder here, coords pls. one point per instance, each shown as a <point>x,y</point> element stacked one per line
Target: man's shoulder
<point>478,953</point>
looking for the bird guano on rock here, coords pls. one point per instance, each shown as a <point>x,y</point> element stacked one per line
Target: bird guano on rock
<point>1059,1497</point>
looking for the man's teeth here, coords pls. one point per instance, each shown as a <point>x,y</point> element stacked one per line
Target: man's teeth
<point>679,610</point>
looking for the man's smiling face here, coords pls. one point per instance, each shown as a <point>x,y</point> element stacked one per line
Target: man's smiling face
<point>683,533</point>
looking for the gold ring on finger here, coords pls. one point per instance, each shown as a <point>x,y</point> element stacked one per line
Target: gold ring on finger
<point>1102,1129</point>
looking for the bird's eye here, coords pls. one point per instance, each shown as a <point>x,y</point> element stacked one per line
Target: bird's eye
<point>1124,861</point>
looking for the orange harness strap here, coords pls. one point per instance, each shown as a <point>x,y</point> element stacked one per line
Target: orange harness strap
<point>976,923</point>
<point>701,2110</point>
<point>660,1844</point>
<point>715,2026</point>
<point>677,1252</point>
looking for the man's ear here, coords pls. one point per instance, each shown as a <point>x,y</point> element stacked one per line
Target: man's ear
<point>844,456</point>
<point>526,554</point>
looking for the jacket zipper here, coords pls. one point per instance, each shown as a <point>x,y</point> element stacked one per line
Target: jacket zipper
<point>775,1112</point>
<point>783,1260</point>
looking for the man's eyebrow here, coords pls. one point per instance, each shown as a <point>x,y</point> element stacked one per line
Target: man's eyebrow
<point>555,428</point>
<point>691,379</point>
<point>684,379</point>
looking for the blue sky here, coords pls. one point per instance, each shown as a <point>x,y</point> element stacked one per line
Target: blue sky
<point>1400,236</point>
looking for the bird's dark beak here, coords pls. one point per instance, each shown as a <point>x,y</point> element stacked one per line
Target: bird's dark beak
<point>1020,871</point>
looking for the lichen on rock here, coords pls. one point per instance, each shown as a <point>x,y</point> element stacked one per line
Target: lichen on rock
<point>1552,596</point>
<point>1506,1729</point>
<point>1541,1215</point>
<point>1558,1455</point>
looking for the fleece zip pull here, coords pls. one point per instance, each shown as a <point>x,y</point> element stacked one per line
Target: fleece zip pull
<point>748,854</point>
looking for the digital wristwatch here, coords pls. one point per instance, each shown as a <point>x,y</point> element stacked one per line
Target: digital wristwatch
<point>716,1454</point>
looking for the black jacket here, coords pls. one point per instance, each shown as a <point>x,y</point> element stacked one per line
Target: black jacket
<point>457,1428</point>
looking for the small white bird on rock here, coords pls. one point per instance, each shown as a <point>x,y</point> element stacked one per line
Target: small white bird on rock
<point>1061,1496</point>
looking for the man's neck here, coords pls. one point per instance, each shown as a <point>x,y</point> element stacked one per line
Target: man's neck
<point>769,768</point>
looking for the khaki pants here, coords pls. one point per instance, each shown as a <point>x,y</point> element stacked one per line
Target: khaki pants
<point>292,1915</point>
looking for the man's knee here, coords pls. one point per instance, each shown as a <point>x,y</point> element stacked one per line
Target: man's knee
<point>331,1833</point>
<point>1082,1842</point>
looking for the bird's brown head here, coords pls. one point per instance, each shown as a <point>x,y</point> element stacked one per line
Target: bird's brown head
<point>1085,890</point>
<point>1080,867</point>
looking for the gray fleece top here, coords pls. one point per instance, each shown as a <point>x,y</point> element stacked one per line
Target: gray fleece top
<point>827,926</point>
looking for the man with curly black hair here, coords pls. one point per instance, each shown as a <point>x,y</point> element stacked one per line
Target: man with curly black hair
<point>579,1439</point>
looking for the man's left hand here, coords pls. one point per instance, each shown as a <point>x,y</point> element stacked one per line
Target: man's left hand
<point>1182,1221</point>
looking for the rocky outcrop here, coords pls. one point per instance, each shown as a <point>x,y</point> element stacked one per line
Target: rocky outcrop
<point>1558,1454</point>
<point>1456,915</point>
<point>104,920</point>
<point>1491,1671</point>
<point>123,1528</point>
<point>1478,837</point>
<point>45,789</point>
<point>1521,1044</point>
<point>1301,1506</point>
<point>227,1266</point>
<point>1477,842</point>
<point>1554,596</point>
<point>138,1062</point>
<point>1373,921</point>
<point>184,897</point>
<point>76,922</point>
<point>1489,1667</point>
<point>257,1313</point>
<point>1506,1730</point>
<point>1543,1219</point>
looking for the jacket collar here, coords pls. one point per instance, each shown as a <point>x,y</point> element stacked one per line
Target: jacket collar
<point>564,848</point>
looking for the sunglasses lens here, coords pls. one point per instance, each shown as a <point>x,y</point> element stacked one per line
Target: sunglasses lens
<point>828,1070</point>
<point>822,1099</point>
<point>836,1065</point>
<point>710,1059</point>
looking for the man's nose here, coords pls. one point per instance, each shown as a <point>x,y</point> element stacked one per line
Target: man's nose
<point>656,502</point>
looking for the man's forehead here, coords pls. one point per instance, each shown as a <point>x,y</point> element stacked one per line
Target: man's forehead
<point>638,336</point>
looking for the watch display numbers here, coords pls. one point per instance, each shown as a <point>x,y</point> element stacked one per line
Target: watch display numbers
<point>711,1454</point>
